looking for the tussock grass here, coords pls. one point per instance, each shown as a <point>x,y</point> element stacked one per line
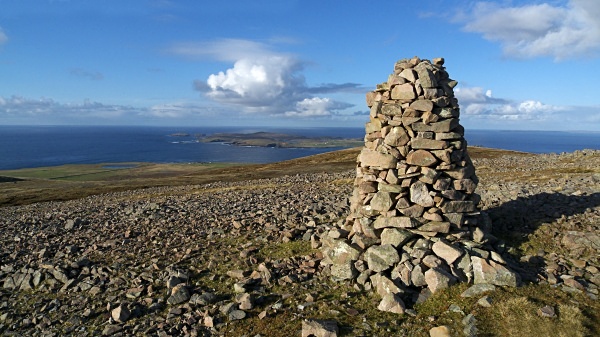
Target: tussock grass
<point>519,318</point>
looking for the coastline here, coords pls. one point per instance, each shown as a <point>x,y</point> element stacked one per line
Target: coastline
<point>22,147</point>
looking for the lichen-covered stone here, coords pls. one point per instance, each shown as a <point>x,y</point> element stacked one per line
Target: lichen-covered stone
<point>380,258</point>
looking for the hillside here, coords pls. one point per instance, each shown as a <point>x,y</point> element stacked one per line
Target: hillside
<point>201,250</point>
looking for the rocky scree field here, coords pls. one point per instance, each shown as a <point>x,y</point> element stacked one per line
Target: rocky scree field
<point>242,258</point>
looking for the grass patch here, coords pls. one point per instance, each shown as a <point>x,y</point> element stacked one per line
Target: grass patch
<point>514,313</point>
<point>283,250</point>
<point>518,318</point>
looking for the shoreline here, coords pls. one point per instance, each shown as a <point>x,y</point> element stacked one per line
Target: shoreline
<point>126,164</point>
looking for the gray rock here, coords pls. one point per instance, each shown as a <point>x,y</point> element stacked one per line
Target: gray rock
<point>370,158</point>
<point>226,308</point>
<point>428,144</point>
<point>413,211</point>
<point>440,331</point>
<point>478,289</point>
<point>438,279</point>
<point>179,294</point>
<point>419,194</point>
<point>339,251</point>
<point>404,92</point>
<point>382,201</point>
<point>9,283</point>
<point>111,329</point>
<point>236,315</point>
<point>485,301</point>
<point>397,222</point>
<point>392,303</point>
<point>172,281</point>
<point>409,74</point>
<point>397,137</point>
<point>121,313</point>
<point>458,207</point>
<point>445,125</point>
<point>547,311</point>
<point>422,105</point>
<point>204,298</point>
<point>470,329</point>
<point>380,258</point>
<point>245,301</point>
<point>436,227</point>
<point>448,252</point>
<point>421,158</point>
<point>383,285</point>
<point>391,110</point>
<point>395,236</point>
<point>319,328</point>
<point>417,277</point>
<point>426,76</point>
<point>60,275</point>
<point>493,273</point>
<point>343,271</point>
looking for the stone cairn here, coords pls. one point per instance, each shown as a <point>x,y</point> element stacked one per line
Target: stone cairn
<point>414,225</point>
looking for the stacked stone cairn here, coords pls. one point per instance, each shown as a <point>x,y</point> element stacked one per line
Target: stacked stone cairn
<point>414,225</point>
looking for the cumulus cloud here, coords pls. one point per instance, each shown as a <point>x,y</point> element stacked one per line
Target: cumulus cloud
<point>258,84</point>
<point>262,80</point>
<point>477,103</point>
<point>539,30</point>
<point>317,107</point>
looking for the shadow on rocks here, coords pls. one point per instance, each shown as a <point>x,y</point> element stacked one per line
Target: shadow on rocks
<point>515,220</point>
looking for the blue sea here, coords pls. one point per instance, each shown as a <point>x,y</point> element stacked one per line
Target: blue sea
<point>39,146</point>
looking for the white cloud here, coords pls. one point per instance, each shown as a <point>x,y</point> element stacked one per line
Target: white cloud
<point>20,107</point>
<point>539,29</point>
<point>475,103</point>
<point>3,37</point>
<point>477,95</point>
<point>21,110</point>
<point>258,84</point>
<point>312,107</point>
<point>261,80</point>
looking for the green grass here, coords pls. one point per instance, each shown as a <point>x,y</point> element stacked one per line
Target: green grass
<point>282,250</point>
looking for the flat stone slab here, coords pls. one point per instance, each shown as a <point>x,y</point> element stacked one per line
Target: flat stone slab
<point>397,221</point>
<point>478,289</point>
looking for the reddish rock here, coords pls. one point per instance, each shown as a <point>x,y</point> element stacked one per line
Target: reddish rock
<point>421,158</point>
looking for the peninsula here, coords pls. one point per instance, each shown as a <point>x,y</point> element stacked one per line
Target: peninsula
<point>272,139</point>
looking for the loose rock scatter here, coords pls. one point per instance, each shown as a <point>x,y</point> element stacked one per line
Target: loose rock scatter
<point>414,226</point>
<point>198,260</point>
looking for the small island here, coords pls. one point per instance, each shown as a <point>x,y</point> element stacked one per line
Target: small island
<point>180,134</point>
<point>280,140</point>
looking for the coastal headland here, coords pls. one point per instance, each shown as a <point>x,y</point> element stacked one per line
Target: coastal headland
<point>233,249</point>
<point>272,139</point>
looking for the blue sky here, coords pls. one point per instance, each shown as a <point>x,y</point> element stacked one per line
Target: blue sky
<point>530,65</point>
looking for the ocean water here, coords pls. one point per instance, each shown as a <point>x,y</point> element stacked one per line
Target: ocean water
<point>39,146</point>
